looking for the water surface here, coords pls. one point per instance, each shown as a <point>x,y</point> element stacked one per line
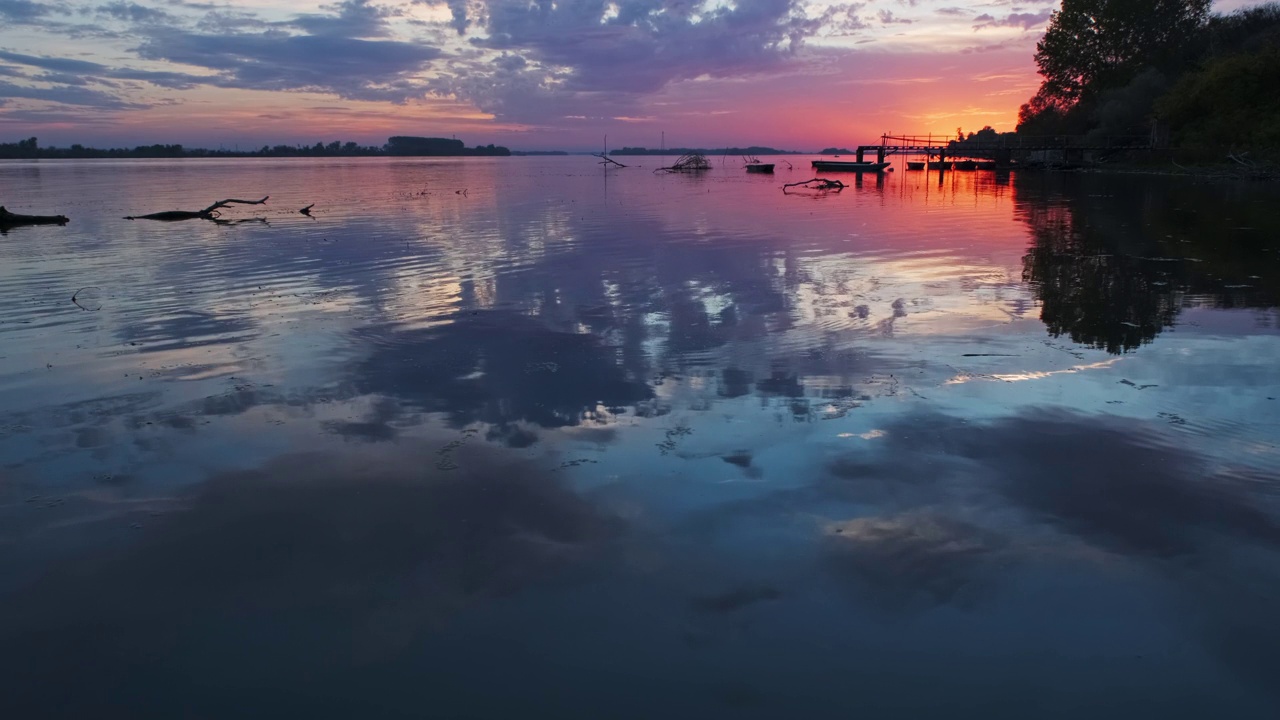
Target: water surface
<point>496,436</point>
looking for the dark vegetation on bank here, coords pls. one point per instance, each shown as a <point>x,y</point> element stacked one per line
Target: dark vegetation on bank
<point>1167,74</point>
<point>400,145</point>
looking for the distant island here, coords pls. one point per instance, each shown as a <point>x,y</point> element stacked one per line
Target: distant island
<point>400,145</point>
<point>753,150</point>
<point>397,146</point>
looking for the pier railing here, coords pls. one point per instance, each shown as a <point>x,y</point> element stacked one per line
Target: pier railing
<point>1004,148</point>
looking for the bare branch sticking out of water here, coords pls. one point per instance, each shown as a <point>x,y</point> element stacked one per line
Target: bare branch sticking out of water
<point>607,161</point>
<point>209,213</point>
<point>307,210</point>
<point>816,184</point>
<point>689,162</point>
<point>88,302</point>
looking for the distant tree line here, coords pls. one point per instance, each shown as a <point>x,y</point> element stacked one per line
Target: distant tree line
<point>753,150</point>
<point>1168,69</point>
<point>399,145</point>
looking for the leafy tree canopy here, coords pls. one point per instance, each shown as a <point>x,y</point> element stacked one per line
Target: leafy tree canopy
<point>1094,45</point>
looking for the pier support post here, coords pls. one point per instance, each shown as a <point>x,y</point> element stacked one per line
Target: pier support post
<point>859,154</point>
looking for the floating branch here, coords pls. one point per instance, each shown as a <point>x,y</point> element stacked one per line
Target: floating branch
<point>821,184</point>
<point>86,303</point>
<point>606,160</point>
<point>689,162</point>
<point>307,210</point>
<point>209,213</point>
<point>8,219</point>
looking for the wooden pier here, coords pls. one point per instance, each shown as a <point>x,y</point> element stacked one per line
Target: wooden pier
<point>1005,151</point>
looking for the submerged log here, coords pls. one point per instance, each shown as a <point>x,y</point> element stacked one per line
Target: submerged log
<point>8,219</point>
<point>820,184</point>
<point>209,213</point>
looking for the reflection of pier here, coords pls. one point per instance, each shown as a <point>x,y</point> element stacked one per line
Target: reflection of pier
<point>1003,151</point>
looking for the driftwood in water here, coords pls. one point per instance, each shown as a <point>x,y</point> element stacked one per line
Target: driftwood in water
<point>209,213</point>
<point>606,160</point>
<point>8,219</point>
<point>689,162</point>
<point>817,184</point>
<point>306,210</point>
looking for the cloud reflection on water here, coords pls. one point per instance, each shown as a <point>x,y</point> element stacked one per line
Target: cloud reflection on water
<point>325,563</point>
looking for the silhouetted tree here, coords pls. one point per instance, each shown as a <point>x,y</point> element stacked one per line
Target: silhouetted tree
<point>1095,45</point>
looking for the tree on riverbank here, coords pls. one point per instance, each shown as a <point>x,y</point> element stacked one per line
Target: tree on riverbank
<point>1093,47</point>
<point>1165,68</point>
<point>1231,98</point>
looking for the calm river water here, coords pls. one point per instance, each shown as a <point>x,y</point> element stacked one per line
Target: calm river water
<point>520,437</point>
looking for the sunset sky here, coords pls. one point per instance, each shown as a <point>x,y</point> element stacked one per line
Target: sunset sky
<point>529,74</point>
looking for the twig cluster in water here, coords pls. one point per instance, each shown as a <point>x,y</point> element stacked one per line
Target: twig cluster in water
<point>689,162</point>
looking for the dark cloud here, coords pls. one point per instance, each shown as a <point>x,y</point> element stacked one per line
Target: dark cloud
<point>87,71</point>
<point>650,42</point>
<point>69,95</point>
<point>349,67</point>
<point>350,18</point>
<point>49,63</point>
<point>1026,21</point>
<point>134,13</point>
<point>592,57</point>
<point>841,20</point>
<point>26,11</point>
<point>887,17</point>
<point>193,5</point>
<point>461,19</point>
<point>28,117</point>
<point>952,11</point>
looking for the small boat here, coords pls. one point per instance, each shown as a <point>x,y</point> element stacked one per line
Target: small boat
<point>915,164</point>
<point>939,164</point>
<point>755,166</point>
<point>966,165</point>
<point>849,166</point>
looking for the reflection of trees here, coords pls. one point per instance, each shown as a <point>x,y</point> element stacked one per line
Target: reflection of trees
<point>1114,262</point>
<point>1091,293</point>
